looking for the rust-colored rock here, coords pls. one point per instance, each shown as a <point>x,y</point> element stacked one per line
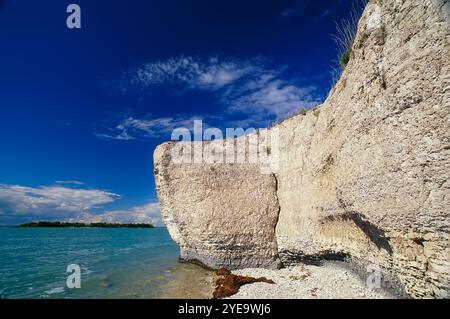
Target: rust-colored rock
<point>230,284</point>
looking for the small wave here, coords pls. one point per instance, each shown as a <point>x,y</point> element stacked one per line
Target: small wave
<point>57,290</point>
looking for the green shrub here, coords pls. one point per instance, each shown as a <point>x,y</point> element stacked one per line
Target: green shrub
<point>344,58</point>
<point>344,38</point>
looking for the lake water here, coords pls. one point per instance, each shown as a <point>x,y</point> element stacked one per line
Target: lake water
<point>115,263</point>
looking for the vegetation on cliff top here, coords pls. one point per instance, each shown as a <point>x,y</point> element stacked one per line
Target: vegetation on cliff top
<point>345,57</point>
<point>345,35</point>
<point>92,225</point>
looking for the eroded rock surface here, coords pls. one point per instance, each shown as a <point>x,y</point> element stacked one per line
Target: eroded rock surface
<point>365,175</point>
<point>221,215</point>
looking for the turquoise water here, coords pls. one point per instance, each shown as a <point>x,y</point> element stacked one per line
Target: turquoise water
<point>115,263</point>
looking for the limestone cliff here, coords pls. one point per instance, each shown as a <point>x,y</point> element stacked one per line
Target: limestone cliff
<point>365,175</point>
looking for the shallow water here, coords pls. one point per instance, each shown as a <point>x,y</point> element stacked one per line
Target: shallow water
<point>115,263</point>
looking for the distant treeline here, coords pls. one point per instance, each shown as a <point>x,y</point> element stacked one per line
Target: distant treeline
<point>102,225</point>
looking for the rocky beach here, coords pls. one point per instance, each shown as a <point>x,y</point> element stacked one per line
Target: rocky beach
<point>328,281</point>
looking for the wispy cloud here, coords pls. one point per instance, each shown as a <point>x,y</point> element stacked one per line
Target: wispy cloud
<point>130,127</point>
<point>69,183</point>
<point>328,11</point>
<point>195,73</point>
<point>251,91</point>
<point>297,8</point>
<point>276,97</point>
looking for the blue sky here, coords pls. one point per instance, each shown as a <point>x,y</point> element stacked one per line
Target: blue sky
<point>81,110</point>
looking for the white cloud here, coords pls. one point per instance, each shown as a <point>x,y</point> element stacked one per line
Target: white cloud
<point>250,91</point>
<point>52,201</point>
<point>148,213</point>
<point>21,204</point>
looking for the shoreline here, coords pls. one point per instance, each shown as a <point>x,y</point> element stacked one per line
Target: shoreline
<point>324,279</point>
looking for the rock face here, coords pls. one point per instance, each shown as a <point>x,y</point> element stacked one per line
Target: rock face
<point>365,175</point>
<point>221,215</point>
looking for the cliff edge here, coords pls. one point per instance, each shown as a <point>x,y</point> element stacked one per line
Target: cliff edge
<point>364,176</point>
